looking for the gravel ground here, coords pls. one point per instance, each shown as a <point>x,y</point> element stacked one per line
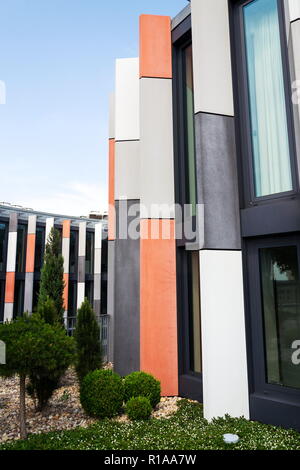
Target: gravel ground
<point>64,410</point>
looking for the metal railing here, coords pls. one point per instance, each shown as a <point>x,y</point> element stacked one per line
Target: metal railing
<point>104,332</point>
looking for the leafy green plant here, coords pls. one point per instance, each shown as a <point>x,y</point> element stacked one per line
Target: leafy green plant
<point>140,384</point>
<point>87,338</point>
<point>33,346</point>
<point>102,394</point>
<point>138,408</point>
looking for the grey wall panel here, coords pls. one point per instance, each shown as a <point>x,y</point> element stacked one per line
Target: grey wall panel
<point>217,181</point>
<point>110,296</point>
<point>81,268</point>
<point>28,297</point>
<point>127,304</point>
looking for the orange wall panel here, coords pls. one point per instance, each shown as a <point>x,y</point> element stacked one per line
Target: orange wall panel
<point>66,291</point>
<point>155,46</point>
<point>10,288</point>
<point>159,343</point>
<point>30,252</point>
<point>111,192</point>
<point>66,228</point>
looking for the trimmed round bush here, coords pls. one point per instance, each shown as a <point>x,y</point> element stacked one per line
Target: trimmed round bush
<point>102,394</point>
<point>140,384</point>
<point>138,408</point>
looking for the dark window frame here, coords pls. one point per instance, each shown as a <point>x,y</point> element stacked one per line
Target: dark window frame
<point>190,382</point>
<point>74,276</point>
<point>5,247</point>
<point>266,400</point>
<point>20,275</point>
<point>242,108</point>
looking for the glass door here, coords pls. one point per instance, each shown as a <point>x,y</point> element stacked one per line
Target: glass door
<point>274,316</point>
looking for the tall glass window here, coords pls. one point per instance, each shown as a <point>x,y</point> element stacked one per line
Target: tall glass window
<point>39,249</point>
<point>2,294</point>
<point>194,313</point>
<point>281,310</point>
<point>89,255</point>
<point>89,291</point>
<point>73,251</point>
<point>268,107</point>
<point>3,232</point>
<point>21,249</point>
<point>190,128</point>
<point>19,298</point>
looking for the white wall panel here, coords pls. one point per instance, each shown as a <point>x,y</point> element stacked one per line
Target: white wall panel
<point>225,380</point>
<point>82,239</point>
<point>98,236</point>
<point>11,252</point>
<point>212,57</point>
<point>112,116</point>
<point>127,170</point>
<point>8,312</point>
<point>156,146</point>
<point>294,9</point>
<point>127,100</point>
<point>32,225</point>
<point>66,253</point>
<point>80,293</point>
<point>49,226</point>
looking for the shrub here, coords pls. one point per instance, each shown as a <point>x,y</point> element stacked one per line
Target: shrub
<point>138,408</point>
<point>102,394</point>
<point>140,384</point>
<point>87,338</point>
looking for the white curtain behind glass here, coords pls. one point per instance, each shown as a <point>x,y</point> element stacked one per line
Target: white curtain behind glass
<point>267,99</point>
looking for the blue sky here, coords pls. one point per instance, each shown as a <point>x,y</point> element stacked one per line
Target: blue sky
<point>57,61</point>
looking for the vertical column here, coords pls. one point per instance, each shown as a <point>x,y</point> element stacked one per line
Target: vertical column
<point>111,172</point>
<point>221,274</point>
<point>66,256</point>
<point>30,255</point>
<point>97,269</point>
<point>11,267</point>
<point>81,264</point>
<point>49,226</point>
<point>127,199</point>
<point>158,310</point>
<point>111,229</point>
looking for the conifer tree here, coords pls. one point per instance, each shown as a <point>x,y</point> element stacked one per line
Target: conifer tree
<point>88,344</point>
<point>52,277</point>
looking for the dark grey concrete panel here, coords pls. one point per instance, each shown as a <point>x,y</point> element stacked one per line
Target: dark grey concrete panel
<point>217,181</point>
<point>111,297</point>
<point>81,268</point>
<point>13,222</point>
<point>97,307</point>
<point>127,303</point>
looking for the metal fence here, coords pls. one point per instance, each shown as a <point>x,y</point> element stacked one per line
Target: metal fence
<point>104,332</point>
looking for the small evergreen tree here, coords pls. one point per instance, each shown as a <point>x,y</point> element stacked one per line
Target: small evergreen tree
<point>52,278</point>
<point>51,309</point>
<point>88,344</point>
<point>33,346</point>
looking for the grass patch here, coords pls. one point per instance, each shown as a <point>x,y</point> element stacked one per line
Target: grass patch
<point>186,430</point>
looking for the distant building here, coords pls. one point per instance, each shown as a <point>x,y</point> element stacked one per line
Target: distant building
<point>23,235</point>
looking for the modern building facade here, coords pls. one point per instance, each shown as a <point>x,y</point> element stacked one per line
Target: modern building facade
<point>23,236</point>
<point>204,134</point>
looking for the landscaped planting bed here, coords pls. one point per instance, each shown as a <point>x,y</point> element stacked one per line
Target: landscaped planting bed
<point>185,430</point>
